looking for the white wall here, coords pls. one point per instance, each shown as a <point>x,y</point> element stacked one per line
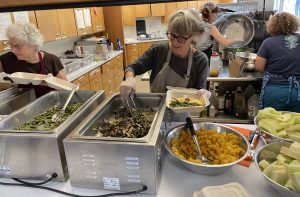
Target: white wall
<point>59,46</point>
<point>153,25</point>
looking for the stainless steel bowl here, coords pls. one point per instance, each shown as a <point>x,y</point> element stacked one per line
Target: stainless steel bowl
<point>269,152</point>
<point>269,138</point>
<point>206,168</point>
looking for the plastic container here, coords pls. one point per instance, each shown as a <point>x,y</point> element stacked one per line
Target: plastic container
<point>183,93</point>
<point>238,99</point>
<point>253,106</point>
<point>214,65</point>
<point>227,190</point>
<point>249,91</point>
<point>119,44</point>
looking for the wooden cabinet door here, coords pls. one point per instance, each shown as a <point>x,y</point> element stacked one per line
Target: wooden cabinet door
<point>67,23</point>
<point>48,24</point>
<point>32,18</point>
<point>158,9</point>
<point>201,3</point>
<point>170,9</point>
<point>181,5</point>
<point>128,15</point>
<point>97,19</point>
<point>192,4</point>
<point>83,21</point>
<point>143,10</point>
<point>145,46</point>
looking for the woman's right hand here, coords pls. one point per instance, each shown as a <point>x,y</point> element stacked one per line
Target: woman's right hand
<point>128,87</point>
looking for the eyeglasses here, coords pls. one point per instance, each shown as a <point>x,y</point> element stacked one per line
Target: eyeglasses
<point>179,39</point>
<point>16,46</point>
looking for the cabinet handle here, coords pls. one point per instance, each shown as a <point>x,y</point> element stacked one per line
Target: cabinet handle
<point>84,33</point>
<point>57,38</point>
<point>64,37</point>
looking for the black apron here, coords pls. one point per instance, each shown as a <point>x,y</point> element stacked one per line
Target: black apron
<point>40,90</point>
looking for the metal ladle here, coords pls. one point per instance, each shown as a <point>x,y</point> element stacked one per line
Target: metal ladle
<point>192,130</point>
<point>57,116</point>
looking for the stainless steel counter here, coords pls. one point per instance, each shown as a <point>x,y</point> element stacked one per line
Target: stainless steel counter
<point>88,68</point>
<point>224,76</point>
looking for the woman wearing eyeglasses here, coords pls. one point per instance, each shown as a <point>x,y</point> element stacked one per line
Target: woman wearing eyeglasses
<point>174,63</point>
<point>209,12</point>
<point>25,41</point>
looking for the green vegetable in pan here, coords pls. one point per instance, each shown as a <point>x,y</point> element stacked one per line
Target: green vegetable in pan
<point>43,121</point>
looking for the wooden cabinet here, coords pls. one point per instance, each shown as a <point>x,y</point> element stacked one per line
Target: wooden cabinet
<point>133,51</point>
<point>145,46</point>
<point>95,78</point>
<point>97,19</point>
<point>192,4</point>
<point>146,10</point>
<point>119,71</point>
<point>158,9</point>
<point>83,21</point>
<point>143,10</point>
<point>170,9</point>
<point>56,24</point>
<point>128,15</point>
<point>182,4</point>
<point>48,24</point>
<point>108,78</point>
<point>83,82</point>
<point>67,23</point>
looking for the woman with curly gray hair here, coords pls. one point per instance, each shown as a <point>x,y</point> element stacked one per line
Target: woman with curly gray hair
<point>26,41</point>
<point>278,58</point>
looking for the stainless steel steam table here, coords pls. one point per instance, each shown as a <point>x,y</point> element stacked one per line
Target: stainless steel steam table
<point>176,181</point>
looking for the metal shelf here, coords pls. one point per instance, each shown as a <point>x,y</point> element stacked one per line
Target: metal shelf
<point>224,118</point>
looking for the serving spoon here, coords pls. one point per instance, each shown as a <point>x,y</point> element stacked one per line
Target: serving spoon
<point>193,133</point>
<point>57,116</point>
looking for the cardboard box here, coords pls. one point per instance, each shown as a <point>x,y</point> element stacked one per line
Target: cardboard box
<point>236,66</point>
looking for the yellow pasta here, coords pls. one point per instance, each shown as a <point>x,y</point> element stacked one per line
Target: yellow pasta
<point>218,148</point>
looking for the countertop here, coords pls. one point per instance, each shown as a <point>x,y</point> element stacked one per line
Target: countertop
<point>176,181</point>
<point>224,76</point>
<point>83,70</point>
<point>136,41</point>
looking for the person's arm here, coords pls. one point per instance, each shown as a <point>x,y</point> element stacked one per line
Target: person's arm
<point>260,64</point>
<point>219,37</point>
<point>61,74</point>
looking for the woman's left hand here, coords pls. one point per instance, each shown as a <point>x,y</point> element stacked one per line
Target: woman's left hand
<point>204,92</point>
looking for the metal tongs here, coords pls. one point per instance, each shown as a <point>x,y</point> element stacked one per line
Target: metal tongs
<point>129,108</point>
<point>57,116</point>
<point>192,130</point>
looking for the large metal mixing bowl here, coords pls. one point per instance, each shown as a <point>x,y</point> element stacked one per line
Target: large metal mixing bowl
<point>238,23</point>
<point>206,168</point>
<point>268,136</point>
<point>269,152</point>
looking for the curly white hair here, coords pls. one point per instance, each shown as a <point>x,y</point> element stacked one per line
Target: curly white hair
<point>25,32</point>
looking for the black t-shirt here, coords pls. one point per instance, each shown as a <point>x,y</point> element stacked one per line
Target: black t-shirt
<point>155,57</point>
<point>11,64</point>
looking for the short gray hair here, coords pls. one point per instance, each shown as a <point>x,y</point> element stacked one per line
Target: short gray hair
<point>25,32</point>
<point>186,22</point>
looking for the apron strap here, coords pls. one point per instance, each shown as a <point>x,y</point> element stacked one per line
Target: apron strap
<point>190,62</point>
<point>42,64</point>
<point>263,86</point>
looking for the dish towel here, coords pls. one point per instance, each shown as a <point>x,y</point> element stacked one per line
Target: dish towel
<point>246,133</point>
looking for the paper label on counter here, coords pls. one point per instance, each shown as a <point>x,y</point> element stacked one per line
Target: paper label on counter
<point>4,170</point>
<point>111,183</point>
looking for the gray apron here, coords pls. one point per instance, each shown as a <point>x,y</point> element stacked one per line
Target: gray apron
<point>168,77</point>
